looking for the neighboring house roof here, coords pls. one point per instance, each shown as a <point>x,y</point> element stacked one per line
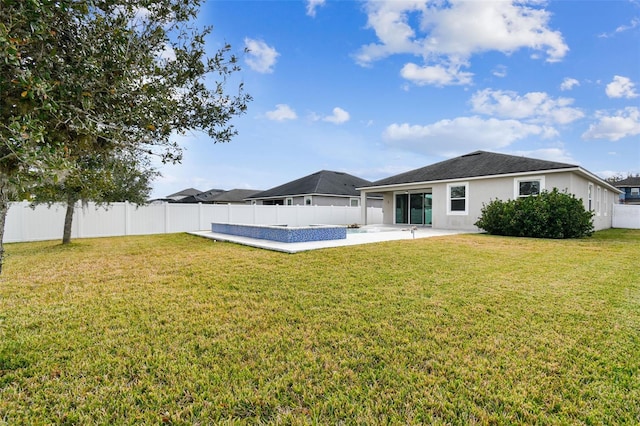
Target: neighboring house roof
<point>630,181</point>
<point>234,195</point>
<point>202,197</point>
<point>479,164</point>
<point>324,182</point>
<point>184,193</point>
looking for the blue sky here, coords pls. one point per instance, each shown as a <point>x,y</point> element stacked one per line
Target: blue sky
<point>375,88</point>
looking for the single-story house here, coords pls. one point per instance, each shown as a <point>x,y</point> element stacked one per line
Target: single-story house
<point>323,188</point>
<point>450,194</point>
<point>630,188</point>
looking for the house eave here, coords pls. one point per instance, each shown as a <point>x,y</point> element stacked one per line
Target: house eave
<point>415,185</point>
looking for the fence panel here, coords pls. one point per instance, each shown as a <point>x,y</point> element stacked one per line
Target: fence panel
<point>626,216</point>
<point>47,223</point>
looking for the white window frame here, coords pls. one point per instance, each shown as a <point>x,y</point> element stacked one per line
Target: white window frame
<point>466,199</point>
<point>590,197</point>
<point>308,200</point>
<point>357,202</point>
<point>635,191</point>
<point>288,201</point>
<point>605,204</point>
<point>598,199</point>
<point>516,185</point>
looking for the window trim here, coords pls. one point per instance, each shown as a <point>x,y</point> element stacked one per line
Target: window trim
<point>518,180</point>
<point>605,205</point>
<point>351,200</point>
<point>288,201</point>
<point>466,199</point>
<point>590,197</point>
<point>598,200</point>
<point>308,200</point>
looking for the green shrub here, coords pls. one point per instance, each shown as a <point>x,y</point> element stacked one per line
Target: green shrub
<point>551,214</point>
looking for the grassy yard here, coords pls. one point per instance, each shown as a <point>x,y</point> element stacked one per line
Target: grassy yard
<point>468,329</point>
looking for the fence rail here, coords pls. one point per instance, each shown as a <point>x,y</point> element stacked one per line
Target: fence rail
<point>118,219</point>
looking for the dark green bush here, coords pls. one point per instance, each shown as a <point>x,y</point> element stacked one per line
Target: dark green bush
<point>551,214</point>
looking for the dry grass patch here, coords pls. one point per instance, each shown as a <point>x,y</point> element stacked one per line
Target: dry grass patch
<point>455,330</point>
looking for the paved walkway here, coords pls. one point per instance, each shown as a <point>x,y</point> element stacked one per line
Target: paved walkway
<point>373,234</point>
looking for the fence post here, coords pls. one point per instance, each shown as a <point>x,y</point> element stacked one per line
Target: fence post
<point>166,217</point>
<point>127,220</point>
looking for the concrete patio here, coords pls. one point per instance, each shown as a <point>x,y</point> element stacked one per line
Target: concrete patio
<point>364,235</point>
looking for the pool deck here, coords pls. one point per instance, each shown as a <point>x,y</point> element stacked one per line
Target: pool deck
<point>374,234</point>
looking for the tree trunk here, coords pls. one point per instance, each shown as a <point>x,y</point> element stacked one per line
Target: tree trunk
<point>4,209</point>
<point>68,219</point>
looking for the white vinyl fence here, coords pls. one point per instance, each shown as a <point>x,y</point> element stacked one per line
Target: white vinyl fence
<point>47,223</point>
<point>626,216</point>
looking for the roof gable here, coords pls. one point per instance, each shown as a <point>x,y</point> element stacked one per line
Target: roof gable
<point>323,182</point>
<point>475,164</point>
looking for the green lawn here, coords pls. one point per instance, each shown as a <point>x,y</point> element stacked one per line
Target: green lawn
<point>468,329</point>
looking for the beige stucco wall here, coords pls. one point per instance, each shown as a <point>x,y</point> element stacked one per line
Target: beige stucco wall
<point>483,191</point>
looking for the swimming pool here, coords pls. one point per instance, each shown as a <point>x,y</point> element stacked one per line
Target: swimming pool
<point>283,233</point>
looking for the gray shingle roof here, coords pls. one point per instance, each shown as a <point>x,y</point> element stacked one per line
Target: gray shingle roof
<point>630,181</point>
<point>323,182</point>
<point>475,164</point>
<point>185,193</point>
<point>203,197</point>
<point>234,195</point>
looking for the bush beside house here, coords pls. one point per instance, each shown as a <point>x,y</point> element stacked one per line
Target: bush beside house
<point>551,214</point>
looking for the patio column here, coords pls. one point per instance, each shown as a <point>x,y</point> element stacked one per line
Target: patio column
<point>363,207</point>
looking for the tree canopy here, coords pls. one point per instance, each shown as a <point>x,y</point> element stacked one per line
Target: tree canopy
<point>82,78</point>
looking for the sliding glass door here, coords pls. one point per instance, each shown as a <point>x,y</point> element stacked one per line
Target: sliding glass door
<point>414,208</point>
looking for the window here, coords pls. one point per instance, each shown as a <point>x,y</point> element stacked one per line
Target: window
<point>289,201</point>
<point>605,206</point>
<point>635,191</point>
<point>354,202</point>
<point>307,200</point>
<point>590,197</point>
<point>457,197</point>
<point>527,187</point>
<point>598,200</point>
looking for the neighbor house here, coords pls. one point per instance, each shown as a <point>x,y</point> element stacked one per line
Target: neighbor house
<point>630,188</point>
<point>180,195</point>
<point>451,194</point>
<point>323,188</point>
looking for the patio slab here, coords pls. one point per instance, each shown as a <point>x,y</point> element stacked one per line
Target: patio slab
<point>365,235</point>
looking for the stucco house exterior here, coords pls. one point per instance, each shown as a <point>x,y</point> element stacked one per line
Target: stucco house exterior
<point>450,194</point>
<point>322,188</point>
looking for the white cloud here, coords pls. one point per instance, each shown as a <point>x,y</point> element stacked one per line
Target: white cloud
<point>623,124</point>
<point>533,106</point>
<point>261,57</point>
<point>460,135</point>
<point>339,116</point>
<point>436,75</point>
<point>281,113</point>
<point>312,5</point>
<point>635,22</point>
<point>552,154</point>
<point>621,87</point>
<point>447,34</point>
<point>500,71</point>
<point>569,83</point>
